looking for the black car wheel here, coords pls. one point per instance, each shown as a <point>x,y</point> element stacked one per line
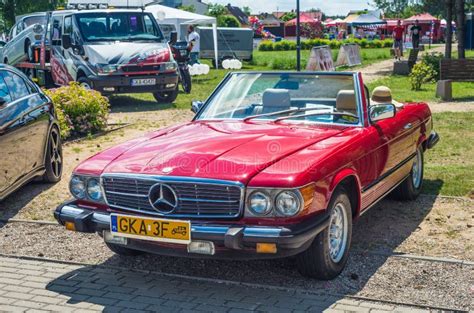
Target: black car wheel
<point>166,96</point>
<point>327,256</point>
<point>54,158</point>
<point>411,187</point>
<point>84,82</point>
<point>186,80</point>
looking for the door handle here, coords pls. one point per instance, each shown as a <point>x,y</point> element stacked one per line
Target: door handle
<point>408,126</point>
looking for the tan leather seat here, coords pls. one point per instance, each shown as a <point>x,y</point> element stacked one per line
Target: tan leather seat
<point>346,101</point>
<point>275,100</point>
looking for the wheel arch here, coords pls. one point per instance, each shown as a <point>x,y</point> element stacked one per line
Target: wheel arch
<point>348,179</point>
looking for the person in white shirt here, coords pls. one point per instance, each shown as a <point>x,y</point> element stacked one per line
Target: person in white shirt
<point>193,45</point>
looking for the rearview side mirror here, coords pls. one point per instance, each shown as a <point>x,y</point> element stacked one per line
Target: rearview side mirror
<point>380,112</point>
<point>67,42</point>
<point>173,38</point>
<point>196,106</point>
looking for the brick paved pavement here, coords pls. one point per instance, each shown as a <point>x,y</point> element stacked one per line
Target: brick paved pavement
<point>40,286</point>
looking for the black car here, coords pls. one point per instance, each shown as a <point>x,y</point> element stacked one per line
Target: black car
<point>30,142</point>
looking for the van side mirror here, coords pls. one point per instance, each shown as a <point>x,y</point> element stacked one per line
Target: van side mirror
<point>196,106</point>
<point>66,40</point>
<point>380,112</point>
<point>173,38</point>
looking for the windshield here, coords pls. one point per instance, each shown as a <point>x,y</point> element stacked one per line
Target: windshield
<point>34,20</point>
<point>118,26</point>
<point>310,98</point>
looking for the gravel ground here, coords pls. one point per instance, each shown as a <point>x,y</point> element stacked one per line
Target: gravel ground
<point>367,274</point>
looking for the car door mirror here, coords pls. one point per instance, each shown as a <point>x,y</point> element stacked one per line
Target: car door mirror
<point>380,112</point>
<point>196,106</point>
<point>38,29</point>
<point>67,42</point>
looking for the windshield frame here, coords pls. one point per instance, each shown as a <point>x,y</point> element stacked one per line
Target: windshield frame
<point>220,86</point>
<point>104,14</point>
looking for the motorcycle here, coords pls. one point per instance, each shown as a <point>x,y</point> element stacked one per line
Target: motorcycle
<point>181,56</point>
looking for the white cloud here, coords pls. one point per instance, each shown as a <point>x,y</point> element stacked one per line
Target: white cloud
<point>335,7</point>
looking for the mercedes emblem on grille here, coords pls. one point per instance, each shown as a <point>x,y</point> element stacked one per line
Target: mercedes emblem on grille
<point>162,198</point>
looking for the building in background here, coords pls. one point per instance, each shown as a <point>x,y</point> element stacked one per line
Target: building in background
<point>238,14</point>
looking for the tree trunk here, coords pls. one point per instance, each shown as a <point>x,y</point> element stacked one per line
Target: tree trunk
<point>460,28</point>
<point>449,29</point>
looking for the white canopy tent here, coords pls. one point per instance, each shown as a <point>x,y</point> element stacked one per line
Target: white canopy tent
<point>180,19</point>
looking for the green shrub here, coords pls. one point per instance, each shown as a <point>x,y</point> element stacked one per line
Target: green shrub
<point>433,59</point>
<point>420,74</point>
<point>80,111</point>
<point>227,21</point>
<point>266,46</point>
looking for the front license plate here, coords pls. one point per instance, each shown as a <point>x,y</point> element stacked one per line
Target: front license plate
<point>164,230</point>
<point>144,82</point>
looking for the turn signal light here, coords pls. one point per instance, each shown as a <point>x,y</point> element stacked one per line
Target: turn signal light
<point>266,248</point>
<point>70,226</point>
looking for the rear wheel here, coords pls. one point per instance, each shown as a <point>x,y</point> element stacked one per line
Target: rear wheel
<point>410,188</point>
<point>121,250</point>
<point>166,96</point>
<point>54,158</point>
<point>327,256</point>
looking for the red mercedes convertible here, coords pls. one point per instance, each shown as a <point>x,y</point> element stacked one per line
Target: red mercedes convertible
<point>273,165</point>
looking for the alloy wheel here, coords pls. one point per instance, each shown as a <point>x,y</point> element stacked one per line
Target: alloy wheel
<point>338,229</point>
<point>55,153</point>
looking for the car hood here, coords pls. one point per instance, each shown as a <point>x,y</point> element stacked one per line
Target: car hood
<point>123,53</point>
<point>221,150</point>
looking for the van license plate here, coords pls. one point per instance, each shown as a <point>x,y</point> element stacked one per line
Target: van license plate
<point>144,82</point>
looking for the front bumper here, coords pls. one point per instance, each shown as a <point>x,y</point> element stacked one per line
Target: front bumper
<point>123,83</point>
<point>230,241</point>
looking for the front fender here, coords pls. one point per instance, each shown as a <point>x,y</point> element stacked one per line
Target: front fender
<point>340,177</point>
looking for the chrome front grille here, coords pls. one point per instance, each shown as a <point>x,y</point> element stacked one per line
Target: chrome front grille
<point>197,198</point>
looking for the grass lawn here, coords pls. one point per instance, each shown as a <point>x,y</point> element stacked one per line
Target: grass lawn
<point>401,90</point>
<point>449,167</point>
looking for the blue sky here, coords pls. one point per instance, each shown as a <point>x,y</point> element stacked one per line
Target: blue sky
<point>330,7</point>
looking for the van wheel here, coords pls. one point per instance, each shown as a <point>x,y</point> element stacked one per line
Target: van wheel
<point>327,256</point>
<point>85,82</point>
<point>166,96</point>
<point>120,250</point>
<point>54,158</point>
<point>411,187</point>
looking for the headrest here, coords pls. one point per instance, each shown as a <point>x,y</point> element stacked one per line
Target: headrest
<point>382,94</point>
<point>276,98</point>
<point>346,100</point>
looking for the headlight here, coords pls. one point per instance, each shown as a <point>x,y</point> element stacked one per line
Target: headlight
<point>106,68</point>
<point>259,203</point>
<point>287,203</point>
<point>170,66</point>
<point>94,191</point>
<point>78,187</point>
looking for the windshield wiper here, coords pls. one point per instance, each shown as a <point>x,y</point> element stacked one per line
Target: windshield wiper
<point>248,118</point>
<point>316,114</point>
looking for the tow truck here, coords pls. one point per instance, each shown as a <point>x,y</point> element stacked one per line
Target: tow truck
<point>111,50</point>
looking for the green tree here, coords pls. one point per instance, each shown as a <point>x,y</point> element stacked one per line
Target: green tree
<point>227,21</point>
<point>188,8</point>
<point>216,10</point>
<point>247,11</point>
<point>288,16</point>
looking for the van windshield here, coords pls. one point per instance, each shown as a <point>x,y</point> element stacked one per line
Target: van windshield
<point>118,26</point>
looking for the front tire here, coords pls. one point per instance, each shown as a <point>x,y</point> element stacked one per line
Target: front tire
<point>186,80</point>
<point>327,256</point>
<point>123,251</point>
<point>54,158</point>
<point>85,82</point>
<point>411,187</point>
<point>166,96</point>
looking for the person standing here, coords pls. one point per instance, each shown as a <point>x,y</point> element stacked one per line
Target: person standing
<point>193,45</point>
<point>398,40</point>
<point>415,35</point>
